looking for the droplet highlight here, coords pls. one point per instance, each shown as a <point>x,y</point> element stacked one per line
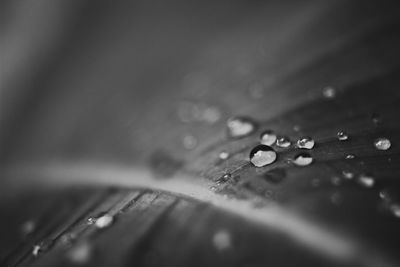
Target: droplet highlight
<point>342,136</point>
<point>329,92</point>
<point>283,141</point>
<point>366,181</point>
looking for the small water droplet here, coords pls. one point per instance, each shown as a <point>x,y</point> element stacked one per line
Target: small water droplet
<point>35,250</point>
<point>395,209</point>
<point>336,180</point>
<point>305,142</point>
<point>296,128</point>
<point>80,254</point>
<point>222,240</point>
<point>213,188</point>
<point>375,118</point>
<point>189,142</point>
<point>336,198</point>
<point>283,141</point>
<point>350,156</point>
<point>303,159</point>
<point>385,195</point>
<point>239,127</point>
<point>329,92</point>
<point>382,143</point>
<point>262,155</point>
<point>224,178</point>
<point>223,155</point>
<point>104,221</point>
<point>268,138</point>
<point>366,181</point>
<point>342,136</point>
<point>348,174</point>
<point>28,227</point>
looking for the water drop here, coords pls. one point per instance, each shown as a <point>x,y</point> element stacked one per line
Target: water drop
<point>80,254</point>
<point>268,138</point>
<point>382,143</point>
<point>348,174</point>
<point>104,221</point>
<point>28,227</point>
<point>262,155</point>
<point>385,195</point>
<point>223,155</point>
<point>336,180</point>
<point>224,178</point>
<point>283,141</point>
<point>222,240</point>
<point>366,181</point>
<point>395,209</point>
<point>305,142</point>
<point>211,115</point>
<point>36,250</point>
<point>239,127</point>
<point>303,159</point>
<point>329,92</point>
<point>296,128</point>
<point>350,156</point>
<point>342,136</point>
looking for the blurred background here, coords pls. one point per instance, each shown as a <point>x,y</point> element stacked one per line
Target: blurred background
<point>135,95</point>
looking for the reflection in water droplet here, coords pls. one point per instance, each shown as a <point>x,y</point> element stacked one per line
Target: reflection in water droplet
<point>104,221</point>
<point>240,127</point>
<point>268,138</point>
<point>305,142</point>
<point>222,240</point>
<point>283,141</point>
<point>395,209</point>
<point>303,159</point>
<point>382,143</point>
<point>80,254</point>
<point>329,92</point>
<point>262,155</point>
<point>350,156</point>
<point>342,136</point>
<point>223,155</point>
<point>366,181</point>
<point>348,174</point>
<point>189,142</point>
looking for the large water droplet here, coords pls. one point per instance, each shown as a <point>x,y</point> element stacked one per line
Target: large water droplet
<point>222,240</point>
<point>283,141</point>
<point>305,142</point>
<point>366,181</point>
<point>268,138</point>
<point>262,155</point>
<point>240,127</point>
<point>329,92</point>
<point>303,159</point>
<point>382,143</point>
<point>342,136</point>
